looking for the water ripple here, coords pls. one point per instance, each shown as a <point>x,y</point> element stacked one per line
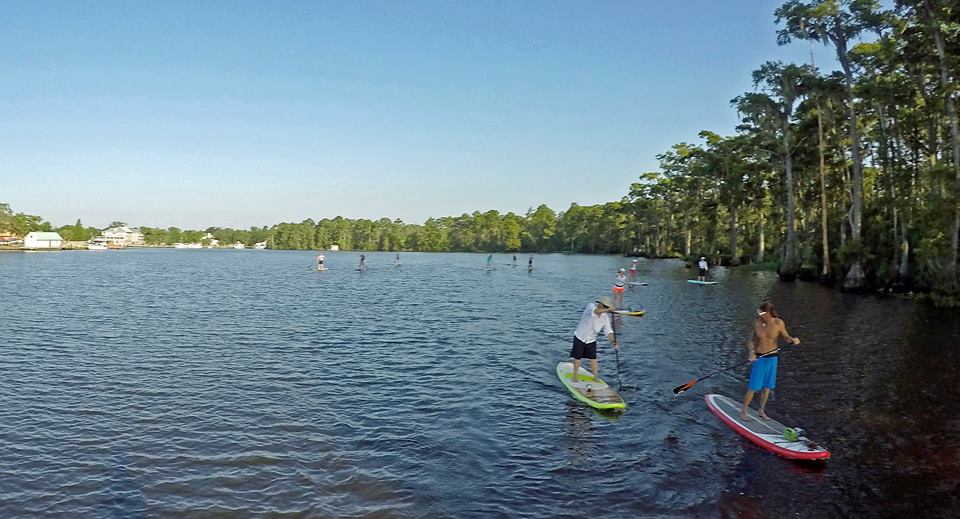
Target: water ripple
<point>161,383</point>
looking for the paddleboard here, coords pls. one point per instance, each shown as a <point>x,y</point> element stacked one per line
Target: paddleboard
<point>636,283</point>
<point>698,282</point>
<point>768,434</point>
<point>634,313</point>
<point>596,394</point>
<point>320,270</point>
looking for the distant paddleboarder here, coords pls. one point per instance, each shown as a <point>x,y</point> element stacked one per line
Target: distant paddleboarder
<point>514,260</point>
<point>633,270</point>
<point>762,351</point>
<point>618,283</point>
<point>397,261</point>
<point>489,262</point>
<point>530,263</point>
<point>704,267</point>
<point>363,263</point>
<point>320,262</point>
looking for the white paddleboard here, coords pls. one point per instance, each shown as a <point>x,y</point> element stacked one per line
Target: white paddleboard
<point>768,434</point>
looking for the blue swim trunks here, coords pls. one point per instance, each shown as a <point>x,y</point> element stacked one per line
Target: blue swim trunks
<point>763,373</point>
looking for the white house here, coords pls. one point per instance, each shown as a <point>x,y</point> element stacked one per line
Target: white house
<point>121,236</point>
<point>42,240</point>
<point>334,247</point>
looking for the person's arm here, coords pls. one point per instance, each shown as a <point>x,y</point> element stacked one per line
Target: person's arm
<point>785,335</point>
<point>608,329</point>
<point>751,348</point>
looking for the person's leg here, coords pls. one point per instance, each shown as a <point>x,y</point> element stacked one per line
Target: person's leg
<point>596,369</point>
<point>754,385</point>
<point>763,403</point>
<point>746,404</point>
<point>769,382</point>
<point>576,352</point>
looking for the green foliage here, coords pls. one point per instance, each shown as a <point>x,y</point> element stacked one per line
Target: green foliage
<point>20,223</point>
<point>77,232</point>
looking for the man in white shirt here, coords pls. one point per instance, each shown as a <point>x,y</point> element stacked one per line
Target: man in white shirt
<point>703,269</point>
<point>595,318</point>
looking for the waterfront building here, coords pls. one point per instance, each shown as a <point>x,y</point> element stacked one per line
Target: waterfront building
<point>120,237</point>
<point>42,240</point>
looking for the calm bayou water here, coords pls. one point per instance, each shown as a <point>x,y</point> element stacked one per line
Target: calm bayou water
<point>202,383</point>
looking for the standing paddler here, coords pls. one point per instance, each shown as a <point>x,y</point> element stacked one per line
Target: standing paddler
<point>595,318</point>
<point>762,350</point>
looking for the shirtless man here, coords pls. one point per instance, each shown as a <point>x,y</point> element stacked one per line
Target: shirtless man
<point>762,348</point>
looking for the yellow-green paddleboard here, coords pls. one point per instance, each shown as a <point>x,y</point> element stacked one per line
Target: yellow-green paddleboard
<point>595,393</point>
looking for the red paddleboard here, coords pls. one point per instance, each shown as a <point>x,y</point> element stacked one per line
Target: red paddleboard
<point>768,434</point>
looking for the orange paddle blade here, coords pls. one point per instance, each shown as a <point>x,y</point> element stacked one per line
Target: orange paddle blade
<point>681,388</point>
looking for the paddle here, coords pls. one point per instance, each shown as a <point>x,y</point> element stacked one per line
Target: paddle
<point>613,328</point>
<point>683,387</point>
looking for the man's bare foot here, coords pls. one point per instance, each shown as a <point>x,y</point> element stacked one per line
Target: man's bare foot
<point>763,415</point>
<point>744,417</point>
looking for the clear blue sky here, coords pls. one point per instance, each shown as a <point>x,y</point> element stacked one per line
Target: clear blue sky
<point>232,114</point>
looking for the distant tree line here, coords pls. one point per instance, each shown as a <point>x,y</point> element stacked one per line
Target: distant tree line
<point>605,228</point>
<point>601,228</point>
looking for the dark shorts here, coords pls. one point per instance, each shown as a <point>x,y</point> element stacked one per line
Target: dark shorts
<point>703,272</point>
<point>582,350</point>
